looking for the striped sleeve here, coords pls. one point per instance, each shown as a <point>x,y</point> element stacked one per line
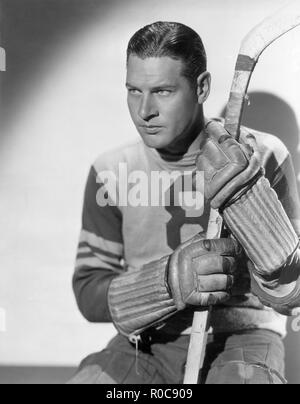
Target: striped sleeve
<point>100,253</point>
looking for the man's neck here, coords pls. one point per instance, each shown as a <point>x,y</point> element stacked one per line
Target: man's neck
<point>186,143</point>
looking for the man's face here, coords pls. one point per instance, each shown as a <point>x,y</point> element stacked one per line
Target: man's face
<point>162,103</point>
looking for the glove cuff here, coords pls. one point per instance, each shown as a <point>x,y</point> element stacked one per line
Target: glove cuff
<point>262,227</point>
<point>283,304</point>
<point>140,299</point>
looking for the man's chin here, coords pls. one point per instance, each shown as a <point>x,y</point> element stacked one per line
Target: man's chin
<point>156,141</point>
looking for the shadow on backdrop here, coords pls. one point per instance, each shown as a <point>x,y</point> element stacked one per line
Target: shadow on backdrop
<point>271,114</point>
<point>32,30</point>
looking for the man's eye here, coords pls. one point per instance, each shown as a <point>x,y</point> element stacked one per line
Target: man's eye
<point>133,91</point>
<point>164,93</point>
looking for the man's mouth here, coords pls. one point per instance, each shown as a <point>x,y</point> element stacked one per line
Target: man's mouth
<point>151,129</point>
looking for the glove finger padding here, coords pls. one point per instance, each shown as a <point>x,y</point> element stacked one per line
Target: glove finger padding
<point>189,265</point>
<point>215,283</point>
<point>228,166</point>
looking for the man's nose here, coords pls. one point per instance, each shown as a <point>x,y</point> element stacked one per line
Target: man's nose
<point>148,108</point>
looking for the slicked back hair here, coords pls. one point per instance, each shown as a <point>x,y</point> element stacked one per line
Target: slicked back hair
<point>174,40</point>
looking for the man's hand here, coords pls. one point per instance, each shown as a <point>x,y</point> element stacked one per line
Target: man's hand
<point>229,167</point>
<point>202,273</point>
<point>199,273</point>
<point>235,183</point>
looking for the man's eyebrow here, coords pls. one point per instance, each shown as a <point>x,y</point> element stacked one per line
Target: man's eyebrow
<point>164,85</point>
<point>128,85</point>
<point>155,88</point>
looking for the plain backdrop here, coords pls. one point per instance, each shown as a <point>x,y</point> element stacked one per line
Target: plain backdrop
<point>63,102</point>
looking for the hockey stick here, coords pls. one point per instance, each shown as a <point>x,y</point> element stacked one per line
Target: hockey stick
<point>253,45</point>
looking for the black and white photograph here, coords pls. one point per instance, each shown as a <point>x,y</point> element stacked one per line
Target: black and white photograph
<point>149,194</point>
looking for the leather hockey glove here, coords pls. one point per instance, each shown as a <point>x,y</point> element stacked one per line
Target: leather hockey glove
<point>199,273</point>
<point>235,184</point>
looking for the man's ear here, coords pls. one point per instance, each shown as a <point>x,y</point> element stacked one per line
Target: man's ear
<point>203,87</point>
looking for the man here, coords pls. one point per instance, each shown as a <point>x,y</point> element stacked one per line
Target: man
<point>146,268</point>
